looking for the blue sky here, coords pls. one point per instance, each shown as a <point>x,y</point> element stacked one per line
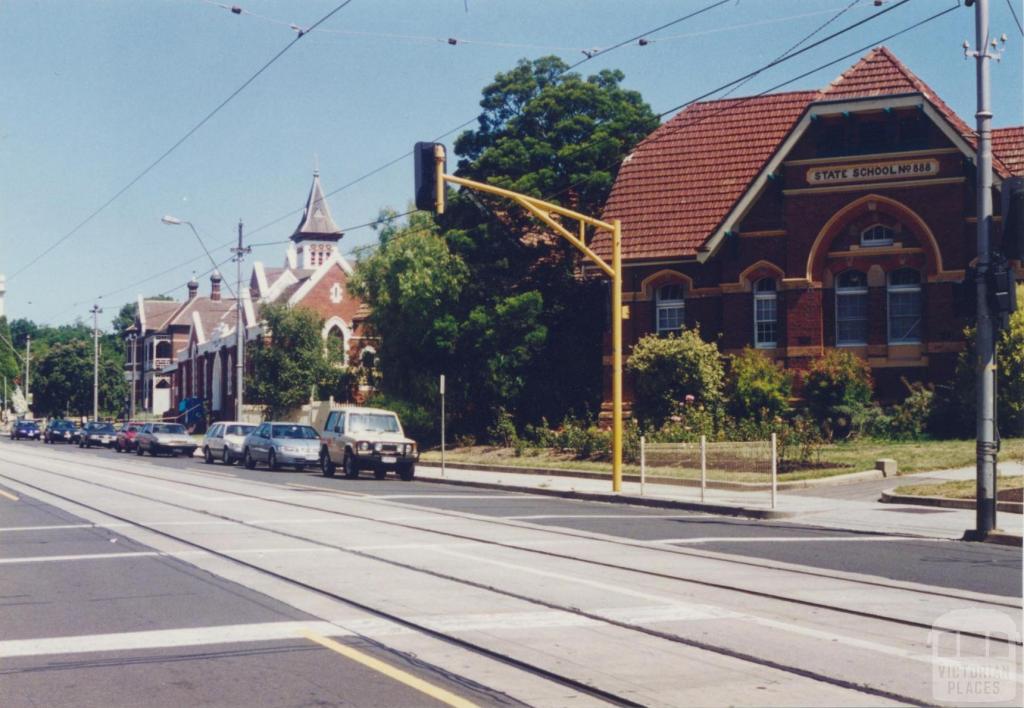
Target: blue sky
<point>95,91</point>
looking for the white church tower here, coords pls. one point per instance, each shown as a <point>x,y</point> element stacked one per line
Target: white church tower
<point>3,293</point>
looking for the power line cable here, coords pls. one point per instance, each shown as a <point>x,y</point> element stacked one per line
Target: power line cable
<point>177,144</point>
<point>1009,4</point>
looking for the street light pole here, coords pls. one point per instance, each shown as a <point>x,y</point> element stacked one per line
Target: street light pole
<point>986,446</point>
<point>239,252</point>
<point>28,357</point>
<point>96,310</point>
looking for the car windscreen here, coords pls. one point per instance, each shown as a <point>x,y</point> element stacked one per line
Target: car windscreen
<point>239,429</point>
<point>28,424</point>
<point>172,428</point>
<point>299,432</point>
<point>372,423</point>
<point>61,425</point>
<point>104,428</point>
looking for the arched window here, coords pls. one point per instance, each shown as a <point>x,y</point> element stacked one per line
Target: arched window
<point>671,308</point>
<point>851,308</point>
<point>904,306</point>
<point>337,345</point>
<point>877,235</point>
<point>766,327</point>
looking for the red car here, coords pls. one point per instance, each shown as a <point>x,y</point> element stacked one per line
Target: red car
<point>126,436</point>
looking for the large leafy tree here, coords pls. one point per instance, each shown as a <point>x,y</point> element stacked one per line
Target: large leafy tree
<point>10,362</point>
<point>62,380</point>
<point>514,327</point>
<point>291,361</point>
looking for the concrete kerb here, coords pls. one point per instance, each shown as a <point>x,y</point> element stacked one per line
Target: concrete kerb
<point>889,496</point>
<point>840,479</point>
<point>627,499</point>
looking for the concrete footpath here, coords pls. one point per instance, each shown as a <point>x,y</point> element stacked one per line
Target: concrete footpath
<point>849,511</point>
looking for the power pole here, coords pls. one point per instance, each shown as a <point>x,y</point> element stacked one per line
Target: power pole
<point>96,310</point>
<point>28,357</point>
<point>239,252</point>
<point>987,447</point>
<point>131,407</point>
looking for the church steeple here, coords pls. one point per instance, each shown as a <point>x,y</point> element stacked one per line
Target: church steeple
<point>317,223</point>
<point>316,237</point>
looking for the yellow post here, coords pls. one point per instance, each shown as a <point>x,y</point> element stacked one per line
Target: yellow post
<point>616,356</point>
<point>439,166</point>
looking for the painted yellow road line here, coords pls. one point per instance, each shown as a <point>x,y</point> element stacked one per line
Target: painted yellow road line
<point>8,495</point>
<point>325,490</point>
<point>429,689</point>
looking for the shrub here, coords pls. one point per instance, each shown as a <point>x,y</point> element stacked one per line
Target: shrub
<point>757,387</point>
<point>503,433</point>
<point>908,420</point>
<point>838,389</point>
<point>666,370</point>
<point>956,403</point>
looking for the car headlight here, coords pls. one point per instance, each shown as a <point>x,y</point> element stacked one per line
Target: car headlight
<point>377,447</point>
<point>363,446</point>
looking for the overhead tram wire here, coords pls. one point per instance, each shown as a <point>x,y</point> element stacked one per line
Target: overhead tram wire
<point>738,102</point>
<point>466,124</point>
<point>177,144</point>
<point>226,244</point>
<point>1009,4</point>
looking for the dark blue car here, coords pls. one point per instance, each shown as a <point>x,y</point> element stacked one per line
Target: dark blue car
<point>25,429</point>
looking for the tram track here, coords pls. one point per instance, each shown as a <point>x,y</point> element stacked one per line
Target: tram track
<point>540,602</point>
<point>567,533</point>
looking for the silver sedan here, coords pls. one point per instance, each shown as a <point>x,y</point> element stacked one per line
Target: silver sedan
<point>282,443</point>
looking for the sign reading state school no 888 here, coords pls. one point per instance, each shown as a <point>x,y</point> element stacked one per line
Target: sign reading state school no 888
<point>891,169</point>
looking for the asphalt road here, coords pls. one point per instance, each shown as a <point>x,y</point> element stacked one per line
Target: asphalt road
<point>949,564</point>
<point>46,597</point>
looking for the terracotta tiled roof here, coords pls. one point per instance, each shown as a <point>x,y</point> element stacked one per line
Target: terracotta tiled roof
<point>159,312</point>
<point>1008,145</point>
<point>678,185</point>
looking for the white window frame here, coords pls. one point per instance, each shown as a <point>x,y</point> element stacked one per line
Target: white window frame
<point>906,288</point>
<point>887,240</point>
<point>670,304</point>
<point>849,291</point>
<point>764,296</point>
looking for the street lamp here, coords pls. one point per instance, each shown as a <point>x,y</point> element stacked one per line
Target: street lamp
<point>239,252</point>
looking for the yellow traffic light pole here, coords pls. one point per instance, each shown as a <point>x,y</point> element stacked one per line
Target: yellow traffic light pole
<point>543,211</point>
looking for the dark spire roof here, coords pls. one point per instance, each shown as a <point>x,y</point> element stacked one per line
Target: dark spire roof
<point>317,223</point>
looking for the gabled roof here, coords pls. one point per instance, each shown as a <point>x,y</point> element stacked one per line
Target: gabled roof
<point>674,192</point>
<point>155,314</point>
<point>1008,144</point>
<point>679,182</point>
<point>316,222</point>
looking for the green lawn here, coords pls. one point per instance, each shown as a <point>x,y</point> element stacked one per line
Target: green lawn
<point>835,459</point>
<point>959,489</point>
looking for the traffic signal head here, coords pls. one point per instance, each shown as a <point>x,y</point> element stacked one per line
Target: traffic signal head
<point>431,164</point>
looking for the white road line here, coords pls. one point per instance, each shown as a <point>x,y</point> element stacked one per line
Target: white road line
<point>530,517</point>
<point>163,554</point>
<point>165,638</point>
<point>783,539</point>
<point>60,527</point>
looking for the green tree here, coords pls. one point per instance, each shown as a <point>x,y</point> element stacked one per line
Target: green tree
<point>10,362</point>
<point>668,369</point>
<point>62,381</point>
<point>125,317</point>
<point>291,362</point>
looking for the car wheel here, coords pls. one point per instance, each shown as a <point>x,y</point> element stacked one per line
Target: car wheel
<point>207,455</point>
<point>81,444</point>
<point>225,457</point>
<point>272,461</point>
<point>250,464</point>
<point>327,466</point>
<point>407,473</point>
<point>380,474</point>
<point>139,451</point>
<point>349,465</point>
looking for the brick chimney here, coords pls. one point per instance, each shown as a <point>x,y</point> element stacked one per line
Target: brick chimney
<point>193,288</point>
<point>215,279</point>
